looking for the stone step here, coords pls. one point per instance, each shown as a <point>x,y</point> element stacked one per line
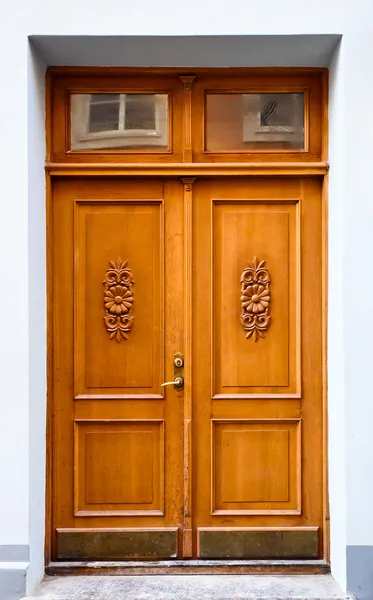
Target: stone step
<point>190,587</point>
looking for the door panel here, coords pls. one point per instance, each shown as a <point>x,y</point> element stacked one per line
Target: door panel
<point>104,232</point>
<point>262,230</point>
<point>117,457</point>
<point>272,483</point>
<point>106,484</point>
<point>257,365</point>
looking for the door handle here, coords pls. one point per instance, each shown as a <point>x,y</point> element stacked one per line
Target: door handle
<point>177,382</point>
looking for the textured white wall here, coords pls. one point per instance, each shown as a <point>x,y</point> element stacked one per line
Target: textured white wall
<point>14,338</point>
<point>165,17</point>
<point>22,260</point>
<point>336,357</point>
<point>358,252</point>
<point>37,314</point>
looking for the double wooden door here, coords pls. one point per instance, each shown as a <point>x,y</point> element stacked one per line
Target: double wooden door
<point>215,284</point>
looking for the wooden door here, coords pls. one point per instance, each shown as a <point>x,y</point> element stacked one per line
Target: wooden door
<point>228,273</point>
<point>117,289</point>
<point>186,244</point>
<point>257,368</point>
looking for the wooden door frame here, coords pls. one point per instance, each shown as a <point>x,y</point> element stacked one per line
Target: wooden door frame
<point>182,170</point>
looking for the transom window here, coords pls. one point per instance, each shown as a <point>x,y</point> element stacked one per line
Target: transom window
<point>208,116</point>
<point>119,121</point>
<point>248,121</point>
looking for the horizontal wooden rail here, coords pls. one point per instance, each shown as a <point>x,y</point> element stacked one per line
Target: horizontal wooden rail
<point>187,169</point>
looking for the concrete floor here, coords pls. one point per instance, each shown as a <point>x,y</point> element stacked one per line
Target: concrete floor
<point>190,587</point>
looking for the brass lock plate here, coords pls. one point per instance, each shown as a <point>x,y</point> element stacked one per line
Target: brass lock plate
<point>179,368</point>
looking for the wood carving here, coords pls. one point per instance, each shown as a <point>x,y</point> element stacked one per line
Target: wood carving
<point>118,299</point>
<point>255,299</point>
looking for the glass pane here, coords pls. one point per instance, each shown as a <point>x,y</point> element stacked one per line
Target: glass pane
<point>260,122</point>
<point>140,112</point>
<point>103,98</point>
<point>104,112</point>
<point>119,121</point>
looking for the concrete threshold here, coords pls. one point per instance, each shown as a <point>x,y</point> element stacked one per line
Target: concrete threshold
<point>190,587</point>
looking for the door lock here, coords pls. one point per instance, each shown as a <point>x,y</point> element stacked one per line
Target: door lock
<point>178,381</point>
<point>178,361</point>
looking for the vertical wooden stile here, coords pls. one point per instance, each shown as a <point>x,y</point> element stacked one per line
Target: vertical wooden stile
<point>188,266</point>
<point>187,81</point>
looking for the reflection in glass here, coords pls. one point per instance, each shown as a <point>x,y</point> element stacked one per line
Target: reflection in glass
<point>104,112</point>
<point>247,122</point>
<point>127,121</point>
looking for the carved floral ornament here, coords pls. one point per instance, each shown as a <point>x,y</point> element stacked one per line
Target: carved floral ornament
<point>255,299</point>
<point>118,300</point>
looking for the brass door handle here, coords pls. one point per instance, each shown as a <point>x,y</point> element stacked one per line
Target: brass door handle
<point>177,382</point>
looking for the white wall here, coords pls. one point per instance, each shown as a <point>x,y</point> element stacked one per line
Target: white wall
<point>166,17</point>
<point>22,260</point>
<point>336,338</point>
<point>358,51</point>
<point>14,337</point>
<point>37,313</point>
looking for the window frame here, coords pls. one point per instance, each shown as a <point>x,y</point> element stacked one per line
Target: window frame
<point>186,103</point>
<point>310,83</point>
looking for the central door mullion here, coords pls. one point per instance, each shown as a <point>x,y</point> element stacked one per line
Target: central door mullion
<point>188,325</point>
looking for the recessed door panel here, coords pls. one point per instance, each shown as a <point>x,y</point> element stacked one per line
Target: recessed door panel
<point>256,296</point>
<point>256,467</point>
<point>119,296</point>
<point>119,467</point>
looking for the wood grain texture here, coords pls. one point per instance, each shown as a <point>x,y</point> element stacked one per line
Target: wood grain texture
<point>219,169</point>
<point>297,205</point>
<point>272,484</point>
<point>246,440</point>
<point>271,230</point>
<point>137,365</point>
<point>124,466</point>
<point>187,81</point>
<point>325,285</point>
<point>188,373</point>
<point>50,394</point>
<point>325,114</point>
<point>118,300</point>
<point>106,484</point>
<point>262,471</point>
<point>255,299</point>
<point>182,105</point>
